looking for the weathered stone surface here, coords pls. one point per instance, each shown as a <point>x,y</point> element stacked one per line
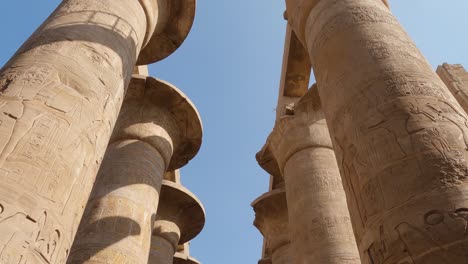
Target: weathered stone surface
<point>183,259</point>
<point>172,27</point>
<point>59,97</point>
<point>119,218</point>
<point>319,222</point>
<point>179,219</point>
<point>155,109</point>
<point>455,78</point>
<point>295,74</point>
<point>400,137</point>
<point>266,260</point>
<point>182,256</point>
<point>271,219</point>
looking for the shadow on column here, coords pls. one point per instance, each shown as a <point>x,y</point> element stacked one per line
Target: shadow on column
<point>120,232</point>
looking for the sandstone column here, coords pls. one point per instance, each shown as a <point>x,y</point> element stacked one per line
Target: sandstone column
<point>319,222</point>
<point>400,137</point>
<point>455,78</point>
<point>158,129</point>
<point>271,219</point>
<point>179,219</point>
<point>59,97</point>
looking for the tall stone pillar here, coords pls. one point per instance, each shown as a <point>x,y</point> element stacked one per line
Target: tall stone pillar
<point>455,78</point>
<point>179,219</point>
<point>59,97</point>
<point>319,223</point>
<point>158,129</point>
<point>271,219</point>
<point>400,137</point>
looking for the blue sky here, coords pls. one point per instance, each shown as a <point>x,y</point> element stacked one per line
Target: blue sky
<point>230,67</point>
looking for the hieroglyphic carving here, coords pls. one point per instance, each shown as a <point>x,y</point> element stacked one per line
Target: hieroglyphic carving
<point>60,96</point>
<point>343,21</point>
<point>438,229</point>
<point>401,137</point>
<point>38,239</point>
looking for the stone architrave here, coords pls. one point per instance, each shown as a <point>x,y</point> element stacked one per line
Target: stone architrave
<point>319,223</point>
<point>60,95</point>
<point>158,129</point>
<point>182,256</point>
<point>455,78</point>
<point>179,219</point>
<point>400,136</point>
<point>271,219</point>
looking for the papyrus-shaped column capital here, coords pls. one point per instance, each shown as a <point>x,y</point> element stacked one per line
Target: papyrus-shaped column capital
<point>179,219</point>
<point>306,128</point>
<point>159,114</point>
<point>180,216</point>
<point>167,29</point>
<point>271,219</point>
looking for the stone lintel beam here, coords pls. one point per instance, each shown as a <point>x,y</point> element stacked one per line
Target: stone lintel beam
<point>149,135</point>
<point>167,35</point>
<point>158,113</point>
<point>295,73</point>
<point>455,78</point>
<point>271,219</point>
<point>141,70</point>
<point>180,258</point>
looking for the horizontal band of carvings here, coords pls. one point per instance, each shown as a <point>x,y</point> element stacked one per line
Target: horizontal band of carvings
<point>298,11</point>
<point>161,115</point>
<point>174,22</point>
<point>180,206</point>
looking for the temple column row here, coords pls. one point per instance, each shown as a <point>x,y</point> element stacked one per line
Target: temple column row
<point>313,223</point>
<point>158,130</point>
<point>319,224</point>
<point>60,96</point>
<point>399,135</point>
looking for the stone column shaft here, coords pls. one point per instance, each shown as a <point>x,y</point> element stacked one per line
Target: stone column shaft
<point>400,137</point>
<point>120,215</point>
<point>118,222</point>
<point>59,97</point>
<point>319,223</point>
<point>162,251</point>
